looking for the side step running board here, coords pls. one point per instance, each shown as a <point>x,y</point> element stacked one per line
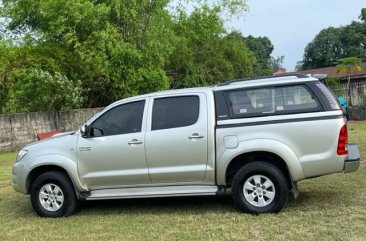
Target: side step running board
<point>147,192</point>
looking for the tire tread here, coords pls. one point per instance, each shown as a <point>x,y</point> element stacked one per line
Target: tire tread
<point>266,169</point>
<point>70,203</point>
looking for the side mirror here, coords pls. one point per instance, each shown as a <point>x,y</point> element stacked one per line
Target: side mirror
<point>84,131</point>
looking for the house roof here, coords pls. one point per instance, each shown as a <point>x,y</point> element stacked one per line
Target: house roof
<point>280,71</point>
<point>332,72</point>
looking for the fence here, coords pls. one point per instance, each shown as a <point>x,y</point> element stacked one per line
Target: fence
<point>17,130</point>
<point>355,95</point>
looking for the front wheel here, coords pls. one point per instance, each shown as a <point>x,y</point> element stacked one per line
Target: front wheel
<point>260,187</point>
<point>52,195</point>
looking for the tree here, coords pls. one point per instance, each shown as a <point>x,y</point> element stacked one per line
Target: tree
<point>277,63</point>
<point>3,62</point>
<point>347,66</point>
<point>117,44</point>
<point>331,44</point>
<point>262,49</point>
<point>363,14</point>
<point>242,59</point>
<point>123,48</point>
<point>15,59</point>
<point>353,39</point>
<point>228,8</point>
<point>204,54</point>
<point>324,50</point>
<point>299,66</point>
<point>41,91</point>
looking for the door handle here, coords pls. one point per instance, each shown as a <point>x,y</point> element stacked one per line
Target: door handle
<point>195,136</point>
<point>134,142</point>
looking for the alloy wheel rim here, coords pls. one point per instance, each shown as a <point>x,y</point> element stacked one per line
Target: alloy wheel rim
<point>51,197</point>
<point>259,190</point>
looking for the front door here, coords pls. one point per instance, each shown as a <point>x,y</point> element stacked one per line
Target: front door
<point>113,152</point>
<point>176,142</point>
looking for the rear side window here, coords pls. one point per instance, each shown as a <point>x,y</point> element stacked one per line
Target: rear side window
<point>173,112</point>
<point>271,100</point>
<point>329,96</point>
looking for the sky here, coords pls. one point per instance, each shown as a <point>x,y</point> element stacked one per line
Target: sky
<point>292,24</point>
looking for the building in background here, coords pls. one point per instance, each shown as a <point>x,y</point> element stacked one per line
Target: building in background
<point>357,84</point>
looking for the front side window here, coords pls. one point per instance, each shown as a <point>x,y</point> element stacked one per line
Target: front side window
<point>123,119</point>
<point>173,112</point>
<point>271,100</point>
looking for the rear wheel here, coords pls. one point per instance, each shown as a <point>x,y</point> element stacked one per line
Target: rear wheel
<point>260,187</point>
<point>52,195</point>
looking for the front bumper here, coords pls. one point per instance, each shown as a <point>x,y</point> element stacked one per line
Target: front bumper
<point>19,177</point>
<point>352,163</point>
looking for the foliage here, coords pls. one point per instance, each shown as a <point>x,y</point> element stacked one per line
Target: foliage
<point>16,59</point>
<point>324,50</point>
<point>347,66</point>
<point>123,48</point>
<point>333,82</point>
<point>39,90</point>
<point>202,56</point>
<point>331,44</point>
<point>299,66</point>
<point>276,63</point>
<point>262,49</point>
<point>116,45</point>
<point>363,14</point>
<point>5,58</point>
<point>230,8</point>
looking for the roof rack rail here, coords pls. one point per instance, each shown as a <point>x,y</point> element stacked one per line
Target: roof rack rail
<point>321,77</point>
<point>263,77</point>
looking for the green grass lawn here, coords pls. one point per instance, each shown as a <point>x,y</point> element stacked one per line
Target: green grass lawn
<point>332,207</point>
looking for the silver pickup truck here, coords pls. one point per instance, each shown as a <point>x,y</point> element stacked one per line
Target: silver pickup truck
<point>257,137</point>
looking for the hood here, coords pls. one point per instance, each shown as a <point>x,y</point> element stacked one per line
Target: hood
<point>57,139</point>
<point>62,134</point>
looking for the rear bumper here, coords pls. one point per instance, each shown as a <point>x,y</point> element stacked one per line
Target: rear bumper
<point>352,163</point>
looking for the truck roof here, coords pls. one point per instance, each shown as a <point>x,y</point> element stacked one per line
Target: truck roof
<point>166,93</point>
<point>267,80</point>
<point>233,84</point>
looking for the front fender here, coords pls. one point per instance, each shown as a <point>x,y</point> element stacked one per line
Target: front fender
<point>260,145</point>
<point>56,160</point>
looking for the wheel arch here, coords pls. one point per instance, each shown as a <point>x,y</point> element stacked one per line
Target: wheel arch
<point>245,158</point>
<point>41,170</point>
<point>270,151</point>
<point>59,163</point>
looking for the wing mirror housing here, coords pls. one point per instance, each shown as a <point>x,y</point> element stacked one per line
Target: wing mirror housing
<point>84,131</point>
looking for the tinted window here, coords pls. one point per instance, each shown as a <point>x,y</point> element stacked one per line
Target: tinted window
<point>123,119</point>
<point>175,112</point>
<point>330,97</point>
<point>272,100</point>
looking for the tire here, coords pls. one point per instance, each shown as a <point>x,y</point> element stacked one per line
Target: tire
<point>260,187</point>
<point>52,195</point>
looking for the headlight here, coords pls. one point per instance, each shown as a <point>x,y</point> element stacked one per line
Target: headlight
<point>20,155</point>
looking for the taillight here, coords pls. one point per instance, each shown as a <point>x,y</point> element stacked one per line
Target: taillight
<point>342,141</point>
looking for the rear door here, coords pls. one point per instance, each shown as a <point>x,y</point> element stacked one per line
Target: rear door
<point>176,140</point>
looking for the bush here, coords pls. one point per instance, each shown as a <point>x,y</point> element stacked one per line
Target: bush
<point>38,90</point>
